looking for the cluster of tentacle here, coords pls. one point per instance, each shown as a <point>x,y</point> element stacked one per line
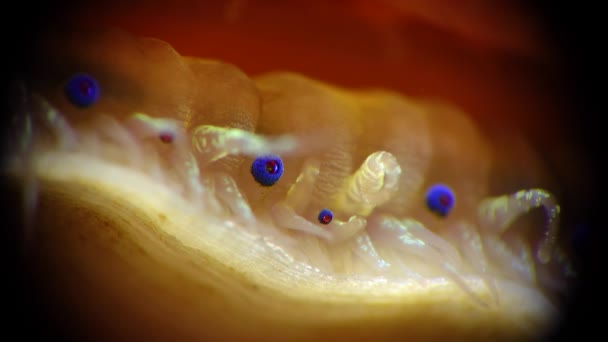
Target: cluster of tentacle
<point>353,215</point>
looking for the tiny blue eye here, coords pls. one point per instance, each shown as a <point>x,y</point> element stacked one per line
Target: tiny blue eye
<point>325,216</point>
<point>82,90</point>
<point>267,170</point>
<point>440,199</point>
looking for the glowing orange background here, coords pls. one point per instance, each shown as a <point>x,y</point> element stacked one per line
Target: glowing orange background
<point>478,53</point>
<point>492,58</point>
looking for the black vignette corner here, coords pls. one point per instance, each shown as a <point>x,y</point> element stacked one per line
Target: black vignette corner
<point>23,23</point>
<point>576,31</point>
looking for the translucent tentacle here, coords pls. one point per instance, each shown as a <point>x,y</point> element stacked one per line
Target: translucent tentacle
<point>372,185</point>
<point>52,118</point>
<point>120,134</point>
<point>214,143</point>
<point>416,231</point>
<point>367,252</point>
<point>504,255</point>
<point>194,175</point>
<point>25,130</point>
<point>341,231</point>
<point>32,114</point>
<point>396,260</point>
<point>554,282</point>
<point>527,265</point>
<point>146,127</point>
<point>317,254</point>
<point>412,237</point>
<point>300,193</point>
<point>501,211</point>
<point>229,194</point>
<point>287,213</point>
<point>285,217</point>
<point>473,250</point>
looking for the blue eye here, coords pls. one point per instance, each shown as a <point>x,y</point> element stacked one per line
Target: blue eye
<point>440,199</point>
<point>267,170</point>
<point>325,216</point>
<point>82,90</point>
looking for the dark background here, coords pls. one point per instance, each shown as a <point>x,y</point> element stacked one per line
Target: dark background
<point>575,29</point>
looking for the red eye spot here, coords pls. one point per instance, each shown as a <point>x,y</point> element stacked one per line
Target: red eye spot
<point>326,218</point>
<point>272,167</point>
<point>166,137</point>
<point>445,200</point>
<point>86,89</point>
